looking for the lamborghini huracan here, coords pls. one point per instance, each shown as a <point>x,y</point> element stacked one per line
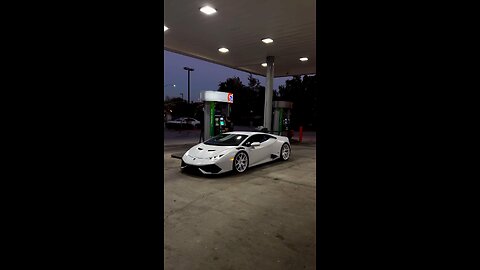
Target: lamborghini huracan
<point>237,151</point>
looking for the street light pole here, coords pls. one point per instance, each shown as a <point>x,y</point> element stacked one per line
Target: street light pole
<point>188,69</point>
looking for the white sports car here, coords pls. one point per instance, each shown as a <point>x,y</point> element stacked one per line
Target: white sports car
<point>237,151</point>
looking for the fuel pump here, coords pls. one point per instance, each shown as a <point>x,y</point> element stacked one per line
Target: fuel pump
<point>216,109</point>
<point>281,117</point>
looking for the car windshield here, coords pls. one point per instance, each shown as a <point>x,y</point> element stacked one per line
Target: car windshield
<point>226,140</point>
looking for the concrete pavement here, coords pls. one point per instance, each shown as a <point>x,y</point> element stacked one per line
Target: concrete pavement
<point>262,219</point>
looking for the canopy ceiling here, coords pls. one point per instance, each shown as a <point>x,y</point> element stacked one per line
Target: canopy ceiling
<point>240,26</point>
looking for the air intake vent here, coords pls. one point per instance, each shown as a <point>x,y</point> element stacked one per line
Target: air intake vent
<point>200,149</point>
<point>210,168</point>
<point>211,150</point>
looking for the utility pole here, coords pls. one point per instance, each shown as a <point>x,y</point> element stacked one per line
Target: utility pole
<point>188,69</point>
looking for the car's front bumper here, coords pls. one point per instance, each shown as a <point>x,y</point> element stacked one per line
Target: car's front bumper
<point>204,169</point>
<point>208,166</point>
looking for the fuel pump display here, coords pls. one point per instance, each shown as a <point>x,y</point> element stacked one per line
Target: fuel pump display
<point>286,124</point>
<point>219,125</point>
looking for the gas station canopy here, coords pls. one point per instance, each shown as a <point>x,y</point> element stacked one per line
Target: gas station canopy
<point>240,27</point>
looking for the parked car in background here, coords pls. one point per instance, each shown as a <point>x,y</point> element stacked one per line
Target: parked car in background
<point>183,122</point>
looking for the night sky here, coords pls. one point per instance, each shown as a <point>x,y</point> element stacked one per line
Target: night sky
<point>206,76</point>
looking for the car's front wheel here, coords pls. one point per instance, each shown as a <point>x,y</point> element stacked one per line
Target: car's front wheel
<point>285,152</point>
<point>240,162</point>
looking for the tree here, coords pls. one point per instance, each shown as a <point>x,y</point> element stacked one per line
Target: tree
<point>248,100</point>
<point>253,83</point>
<point>303,93</point>
<point>235,86</point>
<point>256,100</point>
<point>179,107</point>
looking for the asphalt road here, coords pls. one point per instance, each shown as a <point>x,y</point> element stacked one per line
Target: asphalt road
<point>262,219</point>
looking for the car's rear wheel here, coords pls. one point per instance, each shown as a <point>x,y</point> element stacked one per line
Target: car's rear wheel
<point>285,152</point>
<point>240,162</point>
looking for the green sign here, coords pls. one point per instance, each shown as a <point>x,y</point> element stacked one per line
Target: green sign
<point>212,118</point>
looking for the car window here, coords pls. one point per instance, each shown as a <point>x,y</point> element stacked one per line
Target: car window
<point>226,139</point>
<point>268,137</point>
<point>264,137</point>
<point>253,138</point>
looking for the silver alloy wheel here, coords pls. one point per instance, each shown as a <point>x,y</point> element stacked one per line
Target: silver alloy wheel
<point>241,162</point>
<point>285,151</point>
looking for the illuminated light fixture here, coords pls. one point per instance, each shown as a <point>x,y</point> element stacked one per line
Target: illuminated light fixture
<point>267,40</point>
<point>165,28</point>
<point>223,50</point>
<point>208,10</point>
<point>303,59</point>
<point>264,64</point>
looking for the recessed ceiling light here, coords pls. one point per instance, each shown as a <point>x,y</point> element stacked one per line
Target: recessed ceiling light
<point>165,28</point>
<point>208,10</point>
<point>223,50</point>
<point>303,59</point>
<point>264,64</point>
<point>267,40</point>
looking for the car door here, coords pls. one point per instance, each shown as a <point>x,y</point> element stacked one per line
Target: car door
<point>260,153</point>
<point>266,148</point>
<point>192,122</point>
<point>183,122</point>
<point>253,153</point>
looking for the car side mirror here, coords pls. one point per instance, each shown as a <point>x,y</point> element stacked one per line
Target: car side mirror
<point>255,144</point>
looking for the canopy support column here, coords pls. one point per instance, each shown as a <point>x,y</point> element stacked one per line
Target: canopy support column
<point>267,112</point>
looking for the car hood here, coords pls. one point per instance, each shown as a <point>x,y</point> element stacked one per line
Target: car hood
<point>203,151</point>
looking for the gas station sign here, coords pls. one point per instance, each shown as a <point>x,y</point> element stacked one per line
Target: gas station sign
<point>216,96</point>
